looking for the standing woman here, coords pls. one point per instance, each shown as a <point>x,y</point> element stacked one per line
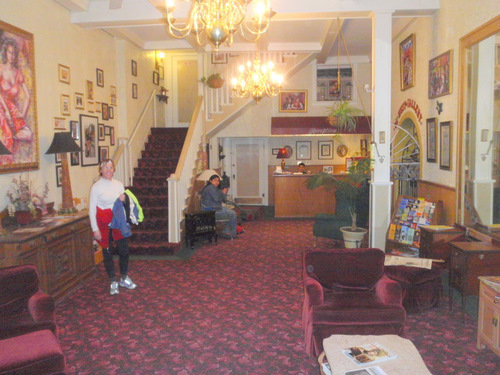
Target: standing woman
<point>103,196</point>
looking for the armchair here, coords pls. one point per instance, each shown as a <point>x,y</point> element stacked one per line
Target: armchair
<point>24,308</point>
<point>347,292</point>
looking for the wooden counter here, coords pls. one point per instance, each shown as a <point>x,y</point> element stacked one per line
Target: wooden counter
<point>293,198</point>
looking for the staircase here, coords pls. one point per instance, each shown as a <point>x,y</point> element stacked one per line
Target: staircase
<point>159,159</point>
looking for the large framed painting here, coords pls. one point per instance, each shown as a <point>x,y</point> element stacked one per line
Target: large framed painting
<point>293,101</point>
<point>90,142</point>
<point>18,119</point>
<point>440,75</point>
<point>407,62</point>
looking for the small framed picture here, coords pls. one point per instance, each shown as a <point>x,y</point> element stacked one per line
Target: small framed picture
<point>79,101</point>
<point>134,90</point>
<point>432,131</point>
<point>107,130</point>
<point>407,62</point>
<point>293,101</point>
<point>445,145</point>
<point>65,105</point>
<point>112,90</point>
<point>133,65</point>
<point>111,112</point>
<point>59,175</point>
<point>89,140</point>
<point>59,123</point>
<point>75,158</point>
<point>105,111</point>
<point>325,150</point>
<point>89,87</point>
<point>58,158</point>
<point>103,153</point>
<point>440,77</point>
<point>64,74</point>
<point>328,169</point>
<point>101,132</point>
<point>156,78</point>
<point>111,136</point>
<point>98,107</point>
<point>74,128</point>
<point>99,77</point>
<point>90,106</point>
<point>275,151</point>
<point>219,58</point>
<point>113,100</point>
<point>303,150</point>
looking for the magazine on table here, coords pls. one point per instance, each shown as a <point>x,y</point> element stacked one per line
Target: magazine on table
<point>375,370</point>
<point>368,354</point>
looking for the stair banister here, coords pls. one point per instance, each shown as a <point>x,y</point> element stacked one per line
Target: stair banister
<point>180,182</point>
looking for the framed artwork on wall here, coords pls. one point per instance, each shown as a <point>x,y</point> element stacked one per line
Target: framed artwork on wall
<point>99,77</point>
<point>98,107</point>
<point>325,150</point>
<point>440,75</point>
<point>65,105</point>
<point>293,101</point>
<point>156,78</point>
<point>445,145</point>
<point>432,139</point>
<point>103,153</point>
<point>133,65</point>
<point>74,128</point>
<point>219,58</point>
<point>328,169</point>
<point>75,158</point>
<point>102,132</point>
<point>89,88</point>
<point>90,106</point>
<point>79,101</point>
<point>90,141</point>
<point>134,90</point>
<point>59,123</point>
<point>64,74</point>
<point>105,111</point>
<point>58,158</point>
<point>22,138</point>
<point>111,112</point>
<point>407,62</point>
<point>303,150</point>
<point>59,175</point>
<point>111,136</point>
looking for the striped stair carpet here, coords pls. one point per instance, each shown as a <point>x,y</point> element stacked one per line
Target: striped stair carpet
<point>159,159</point>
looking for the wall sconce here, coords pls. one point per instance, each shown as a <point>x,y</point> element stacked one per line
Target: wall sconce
<point>483,156</point>
<point>380,157</point>
<point>159,56</point>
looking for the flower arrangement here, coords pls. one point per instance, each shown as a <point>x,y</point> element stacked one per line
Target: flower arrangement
<point>23,197</point>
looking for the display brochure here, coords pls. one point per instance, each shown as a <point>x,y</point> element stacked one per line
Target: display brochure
<point>368,354</point>
<point>375,370</point>
<point>405,261</point>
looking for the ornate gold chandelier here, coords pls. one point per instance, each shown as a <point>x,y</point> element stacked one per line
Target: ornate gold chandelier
<point>217,21</point>
<point>257,80</point>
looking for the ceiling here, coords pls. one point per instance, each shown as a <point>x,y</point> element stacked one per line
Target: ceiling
<point>298,26</point>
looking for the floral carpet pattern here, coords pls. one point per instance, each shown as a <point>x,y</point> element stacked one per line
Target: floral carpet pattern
<point>231,308</point>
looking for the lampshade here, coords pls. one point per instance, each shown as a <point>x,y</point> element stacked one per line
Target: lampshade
<point>282,153</point>
<point>4,150</point>
<point>62,143</point>
<point>206,174</point>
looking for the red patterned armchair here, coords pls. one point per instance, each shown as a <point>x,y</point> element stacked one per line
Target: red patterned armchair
<point>346,292</point>
<point>24,307</point>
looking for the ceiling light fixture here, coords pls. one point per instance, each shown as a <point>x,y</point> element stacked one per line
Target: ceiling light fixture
<point>257,80</point>
<point>217,21</point>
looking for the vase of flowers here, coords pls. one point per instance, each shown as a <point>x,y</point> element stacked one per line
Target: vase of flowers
<point>26,203</point>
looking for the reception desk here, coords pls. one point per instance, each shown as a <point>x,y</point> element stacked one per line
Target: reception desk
<point>293,199</point>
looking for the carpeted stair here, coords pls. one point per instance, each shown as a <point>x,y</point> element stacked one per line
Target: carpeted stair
<point>159,159</point>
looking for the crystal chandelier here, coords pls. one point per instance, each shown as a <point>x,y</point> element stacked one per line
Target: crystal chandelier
<point>257,80</point>
<point>217,21</point>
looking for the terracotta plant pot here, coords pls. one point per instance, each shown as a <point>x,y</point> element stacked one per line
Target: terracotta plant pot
<point>215,83</point>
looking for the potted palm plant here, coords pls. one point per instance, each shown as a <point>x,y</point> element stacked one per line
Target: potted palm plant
<point>353,185</point>
<point>342,115</point>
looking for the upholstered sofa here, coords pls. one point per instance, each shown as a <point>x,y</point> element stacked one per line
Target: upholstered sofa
<point>347,292</point>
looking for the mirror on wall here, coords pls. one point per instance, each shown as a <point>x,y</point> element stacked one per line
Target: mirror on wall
<point>479,119</point>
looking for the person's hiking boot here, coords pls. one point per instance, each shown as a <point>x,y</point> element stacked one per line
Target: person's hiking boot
<point>113,289</point>
<point>126,282</point>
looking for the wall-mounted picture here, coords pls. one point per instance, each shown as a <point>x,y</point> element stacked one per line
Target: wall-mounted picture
<point>18,116</point>
<point>111,136</point>
<point>105,111</point>
<point>112,91</point>
<point>111,113</point>
<point>65,105</point>
<point>445,145</point>
<point>59,175</point>
<point>103,153</point>
<point>328,169</point>
<point>89,89</point>
<point>325,150</point>
<point>293,101</point>
<point>75,158</point>
<point>58,158</point>
<point>156,78</point>
<point>89,140</point>
<point>134,90</point>
<point>79,101</point>
<point>74,128</point>
<point>90,106</point>
<point>98,107</point>
<point>107,131</point>
<point>113,100</point>
<point>102,132</point>
<point>407,62</point>
<point>432,139</point>
<point>219,58</point>
<point>440,75</point>
<point>133,66</point>
<point>59,123</point>
<point>303,150</point>
<point>99,73</point>
<point>64,74</point>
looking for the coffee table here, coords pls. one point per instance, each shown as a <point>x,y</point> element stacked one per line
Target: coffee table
<point>408,360</point>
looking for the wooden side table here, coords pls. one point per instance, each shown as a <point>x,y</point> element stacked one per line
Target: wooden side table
<point>488,333</point>
<point>434,243</point>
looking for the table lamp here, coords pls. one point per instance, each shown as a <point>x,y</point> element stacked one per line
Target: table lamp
<point>206,174</point>
<point>282,154</point>
<point>63,143</point>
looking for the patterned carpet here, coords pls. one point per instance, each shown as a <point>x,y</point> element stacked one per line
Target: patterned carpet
<point>231,308</point>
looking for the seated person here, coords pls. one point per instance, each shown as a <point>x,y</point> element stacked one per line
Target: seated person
<point>212,198</point>
<point>302,168</point>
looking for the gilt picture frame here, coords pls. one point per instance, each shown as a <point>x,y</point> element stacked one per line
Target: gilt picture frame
<point>440,75</point>
<point>293,101</point>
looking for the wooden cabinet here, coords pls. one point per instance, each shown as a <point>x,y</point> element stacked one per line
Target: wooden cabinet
<point>488,333</point>
<point>434,243</point>
<point>59,246</point>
